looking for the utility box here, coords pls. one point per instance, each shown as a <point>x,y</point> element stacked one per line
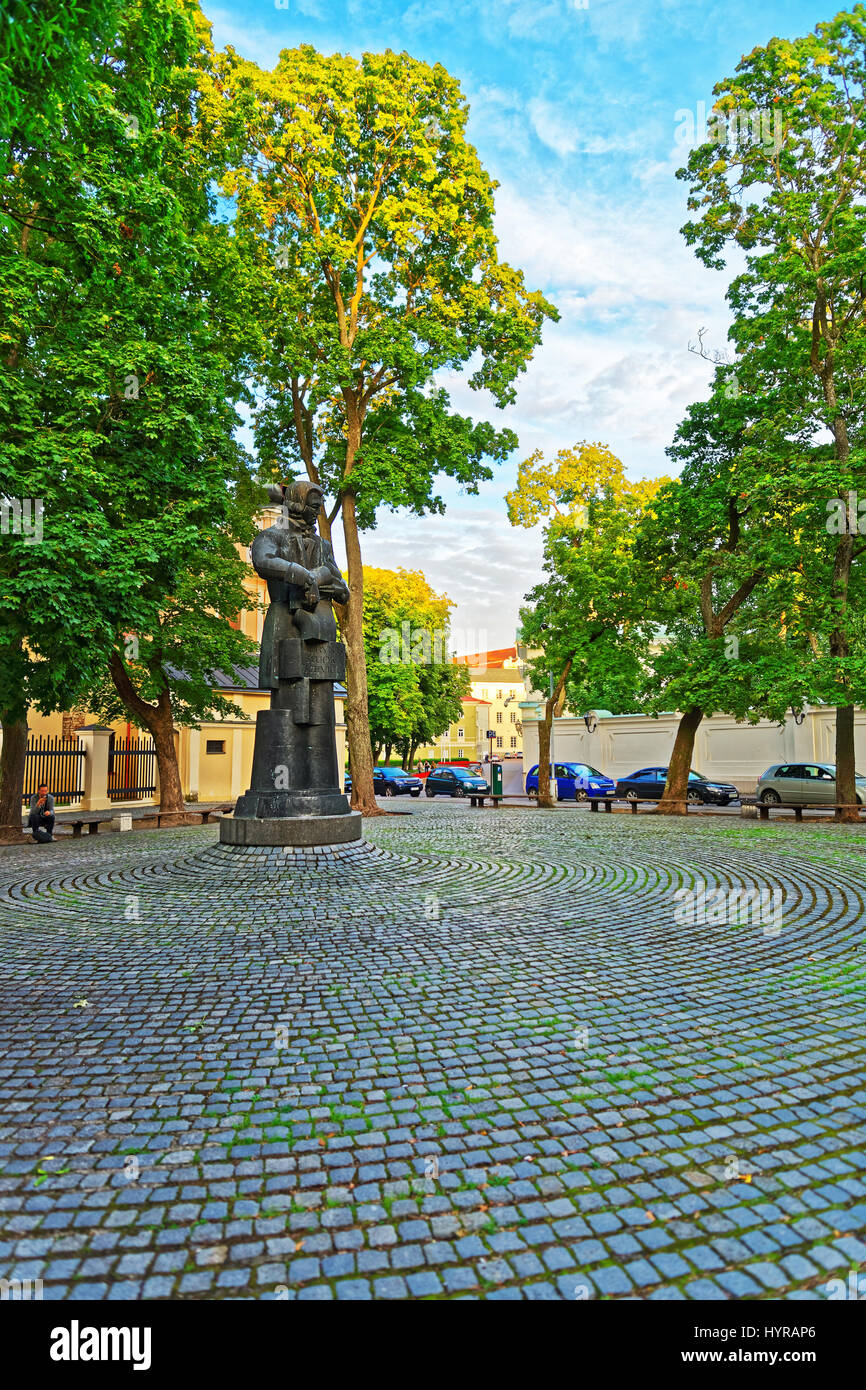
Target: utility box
<point>495,779</point>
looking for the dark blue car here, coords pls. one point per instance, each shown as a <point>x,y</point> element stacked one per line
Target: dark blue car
<point>574,782</point>
<point>393,781</point>
<point>455,781</point>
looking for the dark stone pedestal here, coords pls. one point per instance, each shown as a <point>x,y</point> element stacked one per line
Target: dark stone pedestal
<point>291,830</point>
<point>294,796</point>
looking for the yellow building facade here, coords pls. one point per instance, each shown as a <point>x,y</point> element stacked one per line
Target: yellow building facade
<point>493,704</point>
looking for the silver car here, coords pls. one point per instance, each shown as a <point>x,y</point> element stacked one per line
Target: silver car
<point>799,783</point>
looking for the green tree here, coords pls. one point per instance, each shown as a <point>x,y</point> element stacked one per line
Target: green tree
<point>370,220</point>
<point>121,354</point>
<point>414,689</point>
<point>588,619</point>
<point>46,56</point>
<point>783,180</point>
<point>718,552</point>
<point>163,676</point>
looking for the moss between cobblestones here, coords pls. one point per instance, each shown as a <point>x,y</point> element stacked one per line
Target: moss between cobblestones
<point>711,1042</point>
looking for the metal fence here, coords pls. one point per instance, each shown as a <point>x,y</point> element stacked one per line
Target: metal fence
<point>131,769</point>
<point>59,763</point>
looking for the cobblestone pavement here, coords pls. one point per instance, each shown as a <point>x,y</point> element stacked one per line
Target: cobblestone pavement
<point>486,1054</point>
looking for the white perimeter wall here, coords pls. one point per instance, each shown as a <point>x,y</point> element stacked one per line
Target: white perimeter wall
<point>724,749</point>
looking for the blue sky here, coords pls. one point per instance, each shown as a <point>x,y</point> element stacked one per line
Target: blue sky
<point>574,111</point>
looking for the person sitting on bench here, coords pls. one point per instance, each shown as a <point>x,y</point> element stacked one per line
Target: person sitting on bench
<point>41,818</point>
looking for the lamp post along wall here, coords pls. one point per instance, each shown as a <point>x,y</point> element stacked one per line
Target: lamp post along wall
<point>295,796</point>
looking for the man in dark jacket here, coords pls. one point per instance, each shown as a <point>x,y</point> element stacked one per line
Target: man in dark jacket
<point>41,818</point>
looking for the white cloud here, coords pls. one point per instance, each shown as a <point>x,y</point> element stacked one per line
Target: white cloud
<point>552,126</point>
<point>485,565</point>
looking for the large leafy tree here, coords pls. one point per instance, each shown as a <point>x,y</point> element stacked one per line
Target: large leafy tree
<point>414,688</point>
<point>788,192</point>
<point>46,53</point>
<point>370,219</point>
<point>121,351</point>
<point>163,676</point>
<point>588,619</point>
<point>720,549</point>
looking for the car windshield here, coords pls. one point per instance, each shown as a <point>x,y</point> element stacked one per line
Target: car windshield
<point>696,776</point>
<point>592,771</point>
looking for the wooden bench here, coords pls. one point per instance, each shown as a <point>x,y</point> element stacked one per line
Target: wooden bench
<point>191,815</point>
<point>607,802</point>
<point>633,802</point>
<point>480,800</point>
<point>765,807</point>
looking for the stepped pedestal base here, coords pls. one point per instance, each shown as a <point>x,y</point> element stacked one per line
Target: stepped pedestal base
<point>291,830</point>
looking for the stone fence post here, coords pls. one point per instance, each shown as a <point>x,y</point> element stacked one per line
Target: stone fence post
<point>96,741</point>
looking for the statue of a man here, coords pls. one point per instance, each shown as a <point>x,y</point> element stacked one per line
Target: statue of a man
<point>302,574</point>
<point>295,773</point>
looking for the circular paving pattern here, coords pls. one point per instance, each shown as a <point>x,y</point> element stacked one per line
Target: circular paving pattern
<point>502,1055</point>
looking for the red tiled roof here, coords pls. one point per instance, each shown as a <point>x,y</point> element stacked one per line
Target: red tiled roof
<point>487,659</point>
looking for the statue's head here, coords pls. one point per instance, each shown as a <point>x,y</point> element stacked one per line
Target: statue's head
<point>301,501</point>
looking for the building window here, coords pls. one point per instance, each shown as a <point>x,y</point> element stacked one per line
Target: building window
<point>485,694</point>
<point>513,717</point>
<point>499,694</point>
<point>499,743</point>
<point>499,717</point>
<point>215,745</point>
<point>459,735</point>
<point>513,742</point>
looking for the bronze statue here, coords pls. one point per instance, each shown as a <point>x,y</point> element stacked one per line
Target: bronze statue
<point>295,796</point>
<point>302,574</point>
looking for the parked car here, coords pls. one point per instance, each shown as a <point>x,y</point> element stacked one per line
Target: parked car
<point>477,769</point>
<point>648,784</point>
<point>803,782</point>
<point>395,781</point>
<point>455,781</point>
<point>574,781</point>
<point>347,783</point>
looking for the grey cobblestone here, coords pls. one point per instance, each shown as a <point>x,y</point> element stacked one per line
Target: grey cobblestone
<point>432,1122</point>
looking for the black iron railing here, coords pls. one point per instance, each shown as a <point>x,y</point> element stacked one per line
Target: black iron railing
<point>131,769</point>
<point>57,762</point>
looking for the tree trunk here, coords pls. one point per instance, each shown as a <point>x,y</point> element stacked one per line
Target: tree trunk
<point>388,747</point>
<point>824,368</point>
<point>411,757</point>
<point>170,785</point>
<point>352,632</point>
<point>553,706</point>
<point>677,785</point>
<point>846,786</point>
<point>159,724</point>
<point>12,762</point>
<point>544,797</point>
